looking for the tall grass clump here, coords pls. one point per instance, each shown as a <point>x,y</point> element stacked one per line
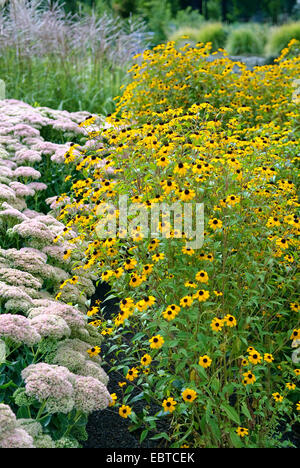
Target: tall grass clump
<point>214,33</point>
<point>281,36</point>
<point>63,61</point>
<point>245,40</point>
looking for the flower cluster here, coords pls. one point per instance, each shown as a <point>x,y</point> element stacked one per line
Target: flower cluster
<point>217,320</point>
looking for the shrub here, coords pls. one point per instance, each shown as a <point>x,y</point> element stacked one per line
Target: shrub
<point>207,333</point>
<point>244,41</point>
<point>214,33</point>
<point>281,36</point>
<point>80,60</point>
<point>184,35</point>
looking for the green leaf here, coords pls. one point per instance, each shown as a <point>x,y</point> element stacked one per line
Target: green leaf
<point>163,435</point>
<point>236,441</point>
<point>245,411</point>
<point>144,435</point>
<point>231,413</point>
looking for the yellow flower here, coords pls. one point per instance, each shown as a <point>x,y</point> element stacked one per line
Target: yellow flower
<point>290,386</point>
<point>114,399</point>
<point>189,395</point>
<point>295,334</point>
<point>230,320</point>
<point>254,357</point>
<point>124,411</point>
<point>241,431</point>
<point>249,378</point>
<point>132,374</point>
<point>215,223</point>
<point>202,295</point>
<point>186,301</point>
<point>205,361</point>
<point>171,312</point>
<point>94,351</point>
<point>169,404</point>
<point>277,396</point>
<point>202,276</point>
<point>268,357</point>
<point>156,342</point>
<point>217,324</point>
<point>146,360</point>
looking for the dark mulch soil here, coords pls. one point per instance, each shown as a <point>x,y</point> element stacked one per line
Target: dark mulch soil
<point>106,429</point>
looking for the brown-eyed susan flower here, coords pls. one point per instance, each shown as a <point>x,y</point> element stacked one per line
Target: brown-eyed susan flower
<point>114,399</point>
<point>74,280</point>
<point>169,404</point>
<point>254,357</point>
<point>156,342</point>
<point>146,360</point>
<point>295,306</point>
<point>290,386</point>
<point>295,334</point>
<point>163,162</point>
<point>181,168</point>
<point>145,303</point>
<point>268,357</point>
<point>132,374</point>
<point>230,320</point>
<point>92,311</point>
<point>147,269</point>
<point>94,351</point>
<point>95,323</point>
<point>217,324</point>
<point>126,303</point>
<point>122,384</point>
<point>124,411</point>
<point>244,362</point>
<point>242,431</point>
<point>171,312</point>
<point>249,378</point>
<point>119,272</point>
<point>189,395</point>
<point>201,276</point>
<point>130,263</point>
<point>277,397</point>
<point>190,284</point>
<point>298,406</point>
<point>205,361</point>
<point>187,194</point>
<point>67,254</point>
<point>218,293</point>
<point>297,372</point>
<point>232,200</point>
<point>202,295</point>
<point>186,301</point>
<point>136,280</point>
<point>188,251</point>
<point>282,243</point>
<point>158,256</point>
<point>215,223</point>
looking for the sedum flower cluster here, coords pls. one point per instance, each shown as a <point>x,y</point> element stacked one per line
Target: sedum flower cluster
<point>44,331</point>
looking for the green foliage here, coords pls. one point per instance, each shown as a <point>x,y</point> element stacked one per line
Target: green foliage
<point>281,36</point>
<point>72,84</point>
<point>214,33</point>
<point>187,18</point>
<point>184,35</point>
<point>244,41</point>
